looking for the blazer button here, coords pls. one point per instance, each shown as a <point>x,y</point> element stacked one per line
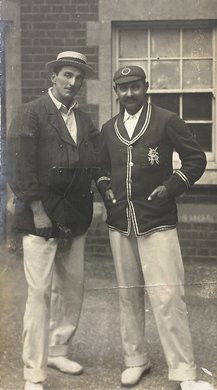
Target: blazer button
<point>61,146</point>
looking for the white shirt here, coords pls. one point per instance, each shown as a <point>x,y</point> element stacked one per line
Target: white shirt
<point>130,121</point>
<point>67,115</point>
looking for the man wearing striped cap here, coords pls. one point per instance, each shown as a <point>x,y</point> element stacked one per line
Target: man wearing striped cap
<point>136,148</point>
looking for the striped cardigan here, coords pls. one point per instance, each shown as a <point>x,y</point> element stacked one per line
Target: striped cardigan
<point>138,165</point>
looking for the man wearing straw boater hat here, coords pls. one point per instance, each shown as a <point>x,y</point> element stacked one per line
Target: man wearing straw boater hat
<point>51,146</point>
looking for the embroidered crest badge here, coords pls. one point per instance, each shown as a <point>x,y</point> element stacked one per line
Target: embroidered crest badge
<point>153,156</point>
<point>125,71</point>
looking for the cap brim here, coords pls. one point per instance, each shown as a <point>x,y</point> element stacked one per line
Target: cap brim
<point>88,71</point>
<point>127,79</point>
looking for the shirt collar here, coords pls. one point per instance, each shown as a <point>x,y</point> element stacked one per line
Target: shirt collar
<point>136,115</point>
<point>60,105</point>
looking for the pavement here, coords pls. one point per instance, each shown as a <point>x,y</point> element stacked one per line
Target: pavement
<point>97,343</point>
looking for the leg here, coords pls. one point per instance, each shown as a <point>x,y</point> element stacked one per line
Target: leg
<point>67,295</point>
<point>38,266</point>
<point>164,276</point>
<point>131,293</point>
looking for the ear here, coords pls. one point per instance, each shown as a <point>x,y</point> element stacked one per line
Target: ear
<point>53,78</point>
<point>146,86</point>
<point>115,88</point>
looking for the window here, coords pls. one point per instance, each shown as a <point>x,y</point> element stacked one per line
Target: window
<point>179,64</point>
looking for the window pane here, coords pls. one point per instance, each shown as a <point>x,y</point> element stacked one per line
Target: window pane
<point>168,101</point>
<point>165,43</point>
<point>133,43</point>
<point>203,134</point>
<point>165,75</point>
<point>197,106</point>
<point>197,74</point>
<point>197,43</point>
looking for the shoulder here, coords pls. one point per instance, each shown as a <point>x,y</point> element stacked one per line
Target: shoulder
<point>162,112</point>
<point>26,118</point>
<point>82,113</point>
<point>31,106</point>
<point>84,116</point>
<point>110,123</point>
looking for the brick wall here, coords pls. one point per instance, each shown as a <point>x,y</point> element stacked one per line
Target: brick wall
<point>198,241</point>
<point>197,227</point>
<point>52,26</point>
<point>49,27</point>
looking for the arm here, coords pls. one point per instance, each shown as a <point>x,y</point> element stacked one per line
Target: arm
<point>22,155</point>
<point>102,175</point>
<point>42,222</point>
<point>193,160</point>
<point>22,167</point>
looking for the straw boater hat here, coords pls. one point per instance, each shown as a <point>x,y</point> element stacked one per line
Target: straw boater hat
<point>72,58</point>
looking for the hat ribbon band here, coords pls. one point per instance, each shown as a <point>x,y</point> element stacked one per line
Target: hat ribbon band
<point>72,59</point>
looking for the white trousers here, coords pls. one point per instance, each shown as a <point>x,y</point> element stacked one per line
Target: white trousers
<point>54,273</point>
<point>156,262</point>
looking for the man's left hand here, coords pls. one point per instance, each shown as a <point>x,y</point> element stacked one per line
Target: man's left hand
<point>159,192</point>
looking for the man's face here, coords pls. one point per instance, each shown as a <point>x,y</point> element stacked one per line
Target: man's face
<point>66,84</point>
<point>132,95</point>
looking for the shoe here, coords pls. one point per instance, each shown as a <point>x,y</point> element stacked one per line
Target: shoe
<point>132,375</point>
<point>33,386</point>
<point>65,365</point>
<point>193,385</point>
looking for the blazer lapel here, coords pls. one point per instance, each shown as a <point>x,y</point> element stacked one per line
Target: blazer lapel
<point>140,122</point>
<point>140,129</point>
<point>121,128</point>
<point>80,127</point>
<point>55,119</point>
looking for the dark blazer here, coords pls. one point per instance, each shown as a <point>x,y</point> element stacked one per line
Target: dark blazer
<point>44,163</point>
<point>138,165</point>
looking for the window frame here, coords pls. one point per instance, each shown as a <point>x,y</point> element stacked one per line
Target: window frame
<point>119,26</point>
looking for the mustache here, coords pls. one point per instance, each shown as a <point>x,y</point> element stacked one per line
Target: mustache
<point>130,99</point>
<point>70,89</point>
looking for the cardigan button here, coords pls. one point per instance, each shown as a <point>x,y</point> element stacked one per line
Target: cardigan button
<point>61,146</point>
<point>131,164</point>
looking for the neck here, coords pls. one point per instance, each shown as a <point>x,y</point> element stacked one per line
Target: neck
<point>68,103</point>
<point>134,111</point>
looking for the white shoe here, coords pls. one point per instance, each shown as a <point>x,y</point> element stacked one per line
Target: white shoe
<point>65,365</point>
<point>33,386</point>
<point>193,385</point>
<point>132,375</point>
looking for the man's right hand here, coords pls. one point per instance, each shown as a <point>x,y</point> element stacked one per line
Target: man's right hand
<point>43,224</point>
<point>109,196</point>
